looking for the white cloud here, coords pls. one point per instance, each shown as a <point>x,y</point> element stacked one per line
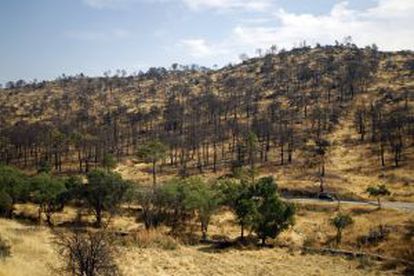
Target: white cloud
<point>199,48</point>
<point>252,5</point>
<point>389,24</point>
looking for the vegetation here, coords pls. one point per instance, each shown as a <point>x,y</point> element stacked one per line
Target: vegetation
<point>272,215</point>
<point>205,119</point>
<point>378,192</point>
<point>108,162</point>
<point>5,249</point>
<point>13,189</point>
<point>257,206</point>
<point>152,152</point>
<point>203,199</point>
<point>155,239</point>
<point>340,222</point>
<point>105,191</point>
<point>6,204</point>
<point>86,253</point>
<point>236,195</point>
<point>47,194</point>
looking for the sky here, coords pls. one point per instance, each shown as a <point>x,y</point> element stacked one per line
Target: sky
<point>42,39</point>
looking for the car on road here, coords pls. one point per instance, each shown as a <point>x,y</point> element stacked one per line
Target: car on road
<point>327,196</point>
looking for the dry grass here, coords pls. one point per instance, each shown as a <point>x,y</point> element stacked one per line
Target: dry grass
<point>153,239</point>
<point>200,261</point>
<point>313,223</point>
<point>32,252</point>
<point>155,253</point>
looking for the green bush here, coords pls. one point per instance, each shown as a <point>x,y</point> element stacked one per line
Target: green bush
<point>44,167</point>
<point>105,191</point>
<point>340,222</point>
<point>5,249</point>
<point>272,215</point>
<point>47,194</point>
<point>179,200</point>
<point>6,204</point>
<point>14,183</point>
<point>13,188</point>
<point>378,192</point>
<point>203,199</point>
<point>257,206</point>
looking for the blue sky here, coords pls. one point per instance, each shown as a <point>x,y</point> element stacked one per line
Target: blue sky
<point>44,38</point>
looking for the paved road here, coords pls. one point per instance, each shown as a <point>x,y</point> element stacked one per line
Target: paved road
<point>402,206</point>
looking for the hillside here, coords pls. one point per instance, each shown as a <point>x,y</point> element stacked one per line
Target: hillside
<point>191,171</point>
<point>333,118</point>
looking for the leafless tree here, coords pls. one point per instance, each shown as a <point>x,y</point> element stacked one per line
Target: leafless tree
<point>86,253</point>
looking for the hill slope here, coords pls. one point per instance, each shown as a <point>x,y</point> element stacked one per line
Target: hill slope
<point>334,118</point>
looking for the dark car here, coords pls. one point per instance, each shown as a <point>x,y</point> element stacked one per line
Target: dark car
<point>327,196</point>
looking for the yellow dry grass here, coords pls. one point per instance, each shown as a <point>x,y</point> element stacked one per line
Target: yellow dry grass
<point>153,253</point>
<point>313,225</point>
<point>32,252</point>
<point>33,255</point>
<point>352,167</point>
<point>197,261</point>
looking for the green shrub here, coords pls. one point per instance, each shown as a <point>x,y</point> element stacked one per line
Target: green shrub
<point>257,206</point>
<point>5,249</point>
<point>203,199</point>
<point>340,222</point>
<point>378,192</point>
<point>375,236</point>
<point>13,185</point>
<point>272,214</point>
<point>6,204</point>
<point>105,191</point>
<point>48,195</point>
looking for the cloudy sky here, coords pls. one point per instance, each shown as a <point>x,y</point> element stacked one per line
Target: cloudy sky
<point>44,38</point>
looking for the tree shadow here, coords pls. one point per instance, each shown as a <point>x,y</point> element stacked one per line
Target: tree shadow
<point>364,210</point>
<point>76,224</point>
<point>219,246</point>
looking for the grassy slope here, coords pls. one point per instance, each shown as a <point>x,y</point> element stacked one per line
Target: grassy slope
<point>33,255</point>
<point>351,166</point>
<point>193,261</point>
<point>31,250</point>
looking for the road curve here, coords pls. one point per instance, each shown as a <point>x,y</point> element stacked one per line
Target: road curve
<point>397,205</point>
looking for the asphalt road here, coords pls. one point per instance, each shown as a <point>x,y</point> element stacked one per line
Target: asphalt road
<point>402,206</point>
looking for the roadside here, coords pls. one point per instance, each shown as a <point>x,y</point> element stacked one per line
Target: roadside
<point>397,205</point>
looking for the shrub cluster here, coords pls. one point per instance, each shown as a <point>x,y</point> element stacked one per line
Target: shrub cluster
<point>104,191</point>
<point>5,249</point>
<point>175,203</point>
<point>256,205</point>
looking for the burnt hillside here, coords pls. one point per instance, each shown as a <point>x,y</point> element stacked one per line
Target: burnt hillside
<point>276,110</point>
